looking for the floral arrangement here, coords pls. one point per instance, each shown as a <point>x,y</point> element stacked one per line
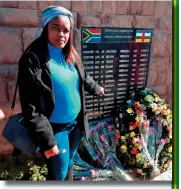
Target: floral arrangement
<point>102,143</point>
<point>145,125</point>
<point>101,147</point>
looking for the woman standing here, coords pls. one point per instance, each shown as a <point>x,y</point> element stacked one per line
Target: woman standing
<point>51,69</point>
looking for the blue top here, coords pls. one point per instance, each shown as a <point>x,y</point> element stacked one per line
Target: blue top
<point>66,87</point>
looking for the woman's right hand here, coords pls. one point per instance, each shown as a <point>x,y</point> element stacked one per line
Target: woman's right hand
<point>1,114</point>
<point>52,152</point>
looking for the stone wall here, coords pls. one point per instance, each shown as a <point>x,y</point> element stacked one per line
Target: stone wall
<point>19,22</point>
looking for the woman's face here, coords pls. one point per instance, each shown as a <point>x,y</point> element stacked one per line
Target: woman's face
<point>59,31</point>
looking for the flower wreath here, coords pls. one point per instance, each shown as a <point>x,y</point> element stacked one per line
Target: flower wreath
<point>145,125</point>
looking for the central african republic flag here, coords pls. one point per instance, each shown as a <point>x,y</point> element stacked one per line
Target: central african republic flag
<point>143,36</point>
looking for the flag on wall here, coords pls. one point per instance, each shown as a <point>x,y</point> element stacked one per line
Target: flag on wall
<point>91,35</point>
<point>143,36</point>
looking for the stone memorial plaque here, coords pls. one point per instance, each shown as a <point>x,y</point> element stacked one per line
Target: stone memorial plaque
<point>118,60</point>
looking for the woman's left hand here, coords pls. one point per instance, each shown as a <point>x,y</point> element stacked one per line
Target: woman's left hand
<point>101,92</point>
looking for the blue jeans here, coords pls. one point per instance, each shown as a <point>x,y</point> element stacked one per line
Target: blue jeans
<point>68,138</point>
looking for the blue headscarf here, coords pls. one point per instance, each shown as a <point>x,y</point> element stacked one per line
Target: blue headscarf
<point>50,13</point>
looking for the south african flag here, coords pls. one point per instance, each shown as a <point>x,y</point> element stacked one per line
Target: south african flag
<point>143,36</point>
<point>91,35</point>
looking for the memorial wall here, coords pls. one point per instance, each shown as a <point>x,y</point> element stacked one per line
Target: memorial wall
<point>118,59</point>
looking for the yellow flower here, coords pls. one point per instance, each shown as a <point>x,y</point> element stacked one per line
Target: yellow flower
<point>124,147</point>
<point>157,98</point>
<point>154,107</point>
<point>123,137</point>
<point>155,94</point>
<point>165,106</point>
<point>170,149</point>
<point>137,119</point>
<point>140,147</point>
<point>132,134</point>
<point>170,115</point>
<point>166,166</point>
<point>138,155</point>
<point>129,110</point>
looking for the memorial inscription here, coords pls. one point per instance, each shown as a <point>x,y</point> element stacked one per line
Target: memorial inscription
<point>118,59</point>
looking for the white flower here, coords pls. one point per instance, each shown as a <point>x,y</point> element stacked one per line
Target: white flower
<point>157,112</point>
<point>139,170</point>
<point>165,123</point>
<point>168,111</point>
<point>170,135</point>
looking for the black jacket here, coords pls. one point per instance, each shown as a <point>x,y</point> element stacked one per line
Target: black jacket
<point>34,79</point>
